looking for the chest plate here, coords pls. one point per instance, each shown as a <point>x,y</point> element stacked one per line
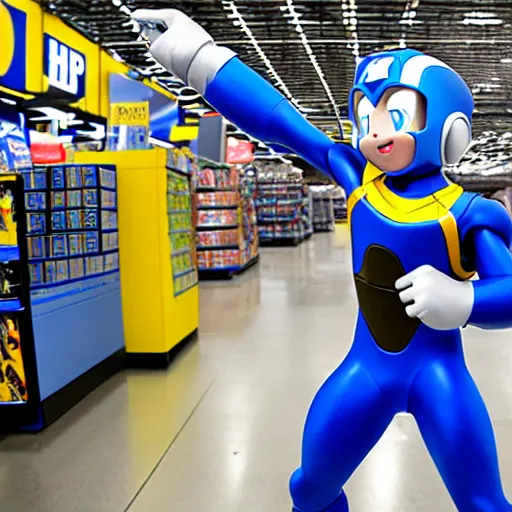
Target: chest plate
<point>391,236</point>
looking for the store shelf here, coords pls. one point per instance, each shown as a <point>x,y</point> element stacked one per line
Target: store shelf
<point>9,253</point>
<point>281,240</point>
<point>179,194</point>
<point>226,272</point>
<point>217,247</point>
<point>210,227</point>
<point>214,189</point>
<point>10,306</point>
<point>287,184</point>
<point>218,207</point>
<point>179,171</point>
<point>279,220</point>
<point>185,290</point>
<point>180,251</point>
<point>184,273</point>
<point>178,231</point>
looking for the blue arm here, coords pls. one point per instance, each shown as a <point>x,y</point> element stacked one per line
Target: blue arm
<point>493,292</point>
<point>250,102</point>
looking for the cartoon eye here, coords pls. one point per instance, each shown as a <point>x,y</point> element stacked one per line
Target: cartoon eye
<point>402,106</point>
<point>364,110</point>
<point>401,119</point>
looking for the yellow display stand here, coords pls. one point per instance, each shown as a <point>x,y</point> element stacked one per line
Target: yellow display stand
<point>155,321</point>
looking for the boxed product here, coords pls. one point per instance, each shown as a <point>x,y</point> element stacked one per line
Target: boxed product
<point>217,218</point>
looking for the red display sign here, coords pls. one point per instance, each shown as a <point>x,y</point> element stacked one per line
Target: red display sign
<point>47,153</point>
<point>239,151</point>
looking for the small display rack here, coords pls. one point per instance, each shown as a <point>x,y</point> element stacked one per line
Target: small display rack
<point>339,205</point>
<point>282,205</point>
<point>181,164</point>
<point>72,231</point>
<point>323,208</point>
<point>226,234</point>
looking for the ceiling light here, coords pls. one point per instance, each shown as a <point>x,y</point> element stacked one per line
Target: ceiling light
<point>482,22</point>
<point>245,28</point>
<point>411,22</point>
<point>117,3</point>
<point>506,61</point>
<point>477,14</point>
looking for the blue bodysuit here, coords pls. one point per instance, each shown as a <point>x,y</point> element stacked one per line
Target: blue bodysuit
<point>396,363</point>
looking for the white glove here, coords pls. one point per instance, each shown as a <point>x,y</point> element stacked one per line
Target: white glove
<point>439,301</point>
<point>185,49</point>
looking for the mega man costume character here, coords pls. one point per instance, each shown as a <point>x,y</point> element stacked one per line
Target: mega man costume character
<point>416,239</point>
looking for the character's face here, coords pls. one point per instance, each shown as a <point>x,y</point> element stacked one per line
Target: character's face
<point>386,141</point>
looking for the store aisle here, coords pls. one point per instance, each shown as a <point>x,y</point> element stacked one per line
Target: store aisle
<point>220,431</point>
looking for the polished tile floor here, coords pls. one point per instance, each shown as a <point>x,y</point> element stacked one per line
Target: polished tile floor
<point>220,430</point>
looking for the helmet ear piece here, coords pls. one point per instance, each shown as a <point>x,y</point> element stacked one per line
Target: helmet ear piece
<point>455,138</point>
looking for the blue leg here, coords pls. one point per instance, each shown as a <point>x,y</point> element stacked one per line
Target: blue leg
<point>347,417</point>
<point>457,430</point>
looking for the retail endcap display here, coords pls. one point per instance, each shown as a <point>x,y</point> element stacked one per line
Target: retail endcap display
<point>411,115</point>
<point>226,237</point>
<point>283,203</point>
<point>323,208</point>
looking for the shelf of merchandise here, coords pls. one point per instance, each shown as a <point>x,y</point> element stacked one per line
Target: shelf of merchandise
<point>323,209</point>
<point>181,229</point>
<point>307,212</point>
<point>339,205</point>
<point>72,260</point>
<point>226,233</point>
<point>157,243</point>
<point>283,206</point>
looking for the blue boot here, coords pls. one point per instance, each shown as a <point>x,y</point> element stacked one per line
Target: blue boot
<point>340,505</point>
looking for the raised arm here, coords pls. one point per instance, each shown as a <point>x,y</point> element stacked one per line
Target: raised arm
<point>244,97</point>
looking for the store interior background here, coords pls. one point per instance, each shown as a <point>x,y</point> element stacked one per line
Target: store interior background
<point>173,291</point>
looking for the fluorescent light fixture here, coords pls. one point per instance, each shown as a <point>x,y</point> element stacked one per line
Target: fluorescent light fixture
<point>506,61</point>
<point>410,22</point>
<point>482,22</point>
<point>8,101</point>
<point>235,14</point>
<point>478,14</point>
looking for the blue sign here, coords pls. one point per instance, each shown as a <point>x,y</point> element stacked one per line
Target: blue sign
<point>13,53</point>
<point>64,67</point>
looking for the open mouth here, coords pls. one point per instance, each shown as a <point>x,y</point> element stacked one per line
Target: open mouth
<point>385,149</point>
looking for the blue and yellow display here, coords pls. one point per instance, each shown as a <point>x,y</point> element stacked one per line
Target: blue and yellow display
<point>13,57</point>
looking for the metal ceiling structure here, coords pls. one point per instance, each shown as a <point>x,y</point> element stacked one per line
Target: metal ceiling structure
<point>308,48</point>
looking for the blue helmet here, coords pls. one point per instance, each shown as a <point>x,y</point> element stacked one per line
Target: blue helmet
<point>449,103</point>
